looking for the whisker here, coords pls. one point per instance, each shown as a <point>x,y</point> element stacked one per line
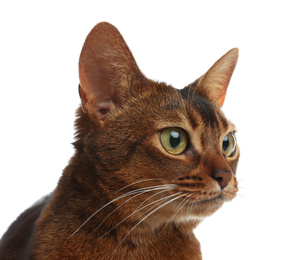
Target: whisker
<point>136,183</point>
<point>155,210</point>
<point>155,204</point>
<point>243,188</point>
<point>153,196</point>
<point>166,189</point>
<point>184,202</point>
<point>241,180</point>
<point>137,210</point>
<point>141,190</point>
<point>241,196</point>
<point>190,206</point>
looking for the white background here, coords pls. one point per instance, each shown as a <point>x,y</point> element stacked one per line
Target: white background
<point>172,41</point>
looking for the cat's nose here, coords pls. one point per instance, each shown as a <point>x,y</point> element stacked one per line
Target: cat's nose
<point>222,177</point>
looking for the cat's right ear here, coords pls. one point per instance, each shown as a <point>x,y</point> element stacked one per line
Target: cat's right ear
<point>106,67</point>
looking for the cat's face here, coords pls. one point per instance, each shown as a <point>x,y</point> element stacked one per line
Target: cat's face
<point>159,152</point>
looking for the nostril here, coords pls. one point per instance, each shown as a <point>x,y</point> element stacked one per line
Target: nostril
<point>222,177</point>
<point>219,180</point>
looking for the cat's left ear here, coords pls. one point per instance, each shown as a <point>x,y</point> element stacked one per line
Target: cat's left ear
<point>213,84</point>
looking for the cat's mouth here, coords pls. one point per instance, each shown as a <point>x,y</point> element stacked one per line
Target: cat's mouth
<point>216,199</point>
<point>205,203</point>
<point>213,197</point>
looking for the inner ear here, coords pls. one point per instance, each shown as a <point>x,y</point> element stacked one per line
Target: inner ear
<point>214,83</point>
<point>106,67</point>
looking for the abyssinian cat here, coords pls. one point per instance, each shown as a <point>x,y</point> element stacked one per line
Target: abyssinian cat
<point>150,163</point>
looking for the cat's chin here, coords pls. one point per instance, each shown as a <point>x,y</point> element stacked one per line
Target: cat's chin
<point>197,210</point>
<point>207,207</point>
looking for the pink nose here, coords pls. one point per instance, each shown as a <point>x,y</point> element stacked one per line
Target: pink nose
<point>222,177</point>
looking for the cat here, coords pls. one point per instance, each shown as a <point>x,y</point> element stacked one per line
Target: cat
<point>150,163</point>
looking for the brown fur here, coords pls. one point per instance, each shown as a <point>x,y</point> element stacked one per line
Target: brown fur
<point>118,150</point>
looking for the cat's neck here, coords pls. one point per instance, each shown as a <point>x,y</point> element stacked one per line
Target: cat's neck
<point>167,242</point>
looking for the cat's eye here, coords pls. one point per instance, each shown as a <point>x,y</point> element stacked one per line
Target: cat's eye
<point>174,140</point>
<point>229,145</point>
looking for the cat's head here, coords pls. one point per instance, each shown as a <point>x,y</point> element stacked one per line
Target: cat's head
<point>173,150</point>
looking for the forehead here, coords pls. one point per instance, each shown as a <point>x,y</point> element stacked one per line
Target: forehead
<point>201,111</point>
<point>169,105</point>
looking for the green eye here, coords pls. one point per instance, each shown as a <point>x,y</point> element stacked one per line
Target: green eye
<point>229,145</point>
<point>174,140</point>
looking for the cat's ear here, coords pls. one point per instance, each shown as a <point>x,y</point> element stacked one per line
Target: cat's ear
<point>106,67</point>
<point>213,84</point>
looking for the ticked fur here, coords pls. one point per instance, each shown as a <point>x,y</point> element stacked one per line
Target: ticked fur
<point>123,195</point>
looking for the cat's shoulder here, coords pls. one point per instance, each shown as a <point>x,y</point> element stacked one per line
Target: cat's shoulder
<point>19,235</point>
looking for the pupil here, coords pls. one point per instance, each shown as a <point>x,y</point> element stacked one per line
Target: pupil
<point>225,143</point>
<point>174,139</point>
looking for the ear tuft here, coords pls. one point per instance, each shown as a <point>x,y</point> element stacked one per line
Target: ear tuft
<point>213,84</point>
